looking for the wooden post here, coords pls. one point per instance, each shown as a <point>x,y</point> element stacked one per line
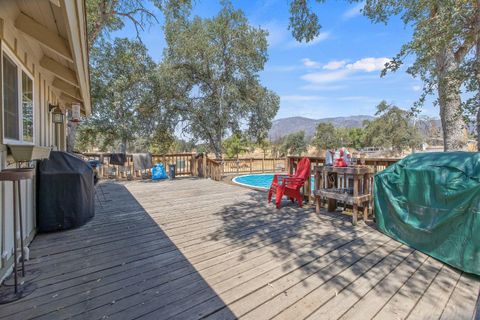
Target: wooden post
<point>318,183</point>
<point>263,163</point>
<point>355,194</point>
<point>204,165</point>
<point>366,178</point>
<point>331,203</point>
<point>251,165</point>
<point>308,188</point>
<point>193,171</point>
<point>238,165</point>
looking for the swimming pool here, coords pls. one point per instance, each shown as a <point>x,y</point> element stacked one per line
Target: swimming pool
<point>260,181</point>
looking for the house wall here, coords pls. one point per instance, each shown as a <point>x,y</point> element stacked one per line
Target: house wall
<point>29,53</point>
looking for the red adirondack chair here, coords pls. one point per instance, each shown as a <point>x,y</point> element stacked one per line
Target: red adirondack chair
<point>289,185</point>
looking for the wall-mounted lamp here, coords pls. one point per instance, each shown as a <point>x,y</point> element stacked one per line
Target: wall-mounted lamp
<point>57,115</point>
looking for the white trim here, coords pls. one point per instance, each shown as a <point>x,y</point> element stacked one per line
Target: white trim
<point>21,68</point>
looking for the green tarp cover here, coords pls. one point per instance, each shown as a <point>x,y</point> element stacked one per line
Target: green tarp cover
<point>431,202</point>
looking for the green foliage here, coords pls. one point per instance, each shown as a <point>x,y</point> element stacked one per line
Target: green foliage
<point>393,128</point>
<point>181,145</point>
<point>303,22</point>
<point>125,98</point>
<point>264,144</point>
<point>210,73</point>
<point>326,137</point>
<point>235,145</point>
<point>294,144</point>
<point>354,137</point>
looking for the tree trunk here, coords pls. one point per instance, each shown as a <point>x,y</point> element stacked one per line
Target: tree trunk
<point>477,69</point>
<point>453,124</point>
<point>123,145</point>
<point>478,125</point>
<point>71,136</point>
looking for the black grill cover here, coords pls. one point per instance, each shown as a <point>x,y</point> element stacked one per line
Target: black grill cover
<point>65,192</point>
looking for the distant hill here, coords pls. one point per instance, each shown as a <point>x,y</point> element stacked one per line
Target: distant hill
<point>285,126</point>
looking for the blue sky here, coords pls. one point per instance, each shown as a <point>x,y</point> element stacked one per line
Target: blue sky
<point>337,74</point>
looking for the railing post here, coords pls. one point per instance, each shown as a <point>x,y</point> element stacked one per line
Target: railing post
<point>251,165</point>
<point>263,163</point>
<point>204,165</point>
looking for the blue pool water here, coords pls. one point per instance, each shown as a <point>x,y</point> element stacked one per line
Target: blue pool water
<point>262,181</point>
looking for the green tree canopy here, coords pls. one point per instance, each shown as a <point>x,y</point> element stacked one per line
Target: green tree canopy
<point>211,71</point>
<point>235,145</point>
<point>124,87</point>
<point>393,128</point>
<point>326,137</point>
<point>294,144</point>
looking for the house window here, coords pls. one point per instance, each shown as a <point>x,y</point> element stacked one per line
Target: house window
<point>18,109</point>
<point>10,99</point>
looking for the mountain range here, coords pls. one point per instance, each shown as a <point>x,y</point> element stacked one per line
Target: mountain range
<point>285,126</point>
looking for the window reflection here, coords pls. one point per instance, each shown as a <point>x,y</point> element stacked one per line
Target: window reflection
<point>10,99</point>
<point>27,107</point>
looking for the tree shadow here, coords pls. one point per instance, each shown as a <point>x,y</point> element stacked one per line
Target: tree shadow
<point>324,251</point>
<point>119,264</point>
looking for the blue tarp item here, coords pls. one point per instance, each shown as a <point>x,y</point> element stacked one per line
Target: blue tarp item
<point>158,172</point>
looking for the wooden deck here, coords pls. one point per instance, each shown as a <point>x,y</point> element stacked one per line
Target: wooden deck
<point>190,249</point>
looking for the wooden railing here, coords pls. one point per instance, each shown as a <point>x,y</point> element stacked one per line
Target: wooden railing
<point>214,169</point>
<point>200,165</point>
<point>185,165</point>
<point>253,165</point>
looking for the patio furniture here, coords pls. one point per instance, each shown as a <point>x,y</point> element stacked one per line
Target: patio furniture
<point>15,176</point>
<point>350,185</point>
<point>290,185</point>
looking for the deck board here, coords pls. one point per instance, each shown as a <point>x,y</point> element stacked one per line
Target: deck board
<point>194,248</point>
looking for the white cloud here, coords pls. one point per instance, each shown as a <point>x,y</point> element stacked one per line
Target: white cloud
<point>321,37</point>
<point>296,98</point>
<point>353,11</point>
<point>417,88</point>
<point>310,63</point>
<point>335,64</point>
<point>340,71</point>
<point>368,64</point>
<point>325,77</point>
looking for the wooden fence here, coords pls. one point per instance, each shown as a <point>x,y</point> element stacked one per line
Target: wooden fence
<point>199,165</point>
<point>185,165</point>
<point>253,165</point>
<point>188,164</point>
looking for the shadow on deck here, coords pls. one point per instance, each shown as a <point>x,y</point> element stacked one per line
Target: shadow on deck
<point>191,249</point>
<point>120,265</point>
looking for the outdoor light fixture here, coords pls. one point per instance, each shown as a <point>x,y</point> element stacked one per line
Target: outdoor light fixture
<point>57,115</point>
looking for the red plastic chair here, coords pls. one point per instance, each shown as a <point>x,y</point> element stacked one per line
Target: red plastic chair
<point>289,185</point>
